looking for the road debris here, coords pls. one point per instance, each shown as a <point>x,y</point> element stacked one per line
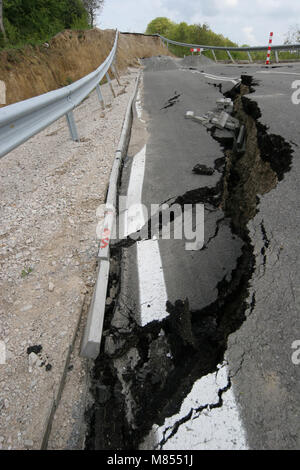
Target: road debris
<point>203,170</point>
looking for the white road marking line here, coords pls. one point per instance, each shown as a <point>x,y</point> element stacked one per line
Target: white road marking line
<point>217,428</point>
<point>235,81</point>
<point>278,73</point>
<point>222,77</point>
<point>269,96</point>
<point>138,106</point>
<point>152,287</point>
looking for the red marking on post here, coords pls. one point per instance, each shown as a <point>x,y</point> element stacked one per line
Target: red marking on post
<point>105,239</point>
<point>104,243</point>
<point>269,49</point>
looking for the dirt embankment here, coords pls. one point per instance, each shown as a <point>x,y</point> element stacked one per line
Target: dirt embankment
<point>31,71</point>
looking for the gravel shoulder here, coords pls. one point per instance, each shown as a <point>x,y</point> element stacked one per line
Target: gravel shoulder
<point>50,190</point>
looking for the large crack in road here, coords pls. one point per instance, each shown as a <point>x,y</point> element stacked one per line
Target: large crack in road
<point>143,373</point>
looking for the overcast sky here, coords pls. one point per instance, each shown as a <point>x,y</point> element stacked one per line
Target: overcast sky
<point>243,21</point>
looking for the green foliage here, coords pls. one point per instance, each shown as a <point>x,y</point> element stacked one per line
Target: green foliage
<point>31,21</point>
<point>193,34</point>
<point>26,272</point>
<point>160,25</point>
<point>203,35</point>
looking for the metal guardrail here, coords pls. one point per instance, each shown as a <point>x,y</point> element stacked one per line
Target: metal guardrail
<point>22,120</point>
<point>283,47</point>
<point>91,341</point>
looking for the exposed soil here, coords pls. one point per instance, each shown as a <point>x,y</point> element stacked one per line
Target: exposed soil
<point>31,71</point>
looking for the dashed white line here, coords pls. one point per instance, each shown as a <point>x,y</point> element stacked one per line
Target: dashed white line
<point>235,81</point>
<point>269,96</point>
<point>152,287</point>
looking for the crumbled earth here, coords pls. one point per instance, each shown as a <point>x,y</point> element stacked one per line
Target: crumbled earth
<point>50,190</point>
<point>69,56</point>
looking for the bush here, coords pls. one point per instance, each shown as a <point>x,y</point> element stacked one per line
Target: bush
<point>32,21</point>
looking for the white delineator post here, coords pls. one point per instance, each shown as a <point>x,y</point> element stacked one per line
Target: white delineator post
<point>269,49</point>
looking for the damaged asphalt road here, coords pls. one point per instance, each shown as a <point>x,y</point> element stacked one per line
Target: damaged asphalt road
<point>207,333</point>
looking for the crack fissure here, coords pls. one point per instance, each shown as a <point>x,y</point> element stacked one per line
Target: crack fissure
<point>160,362</point>
<point>194,413</point>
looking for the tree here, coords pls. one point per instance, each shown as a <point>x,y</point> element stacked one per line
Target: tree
<point>293,35</point>
<point>191,34</point>
<point>2,30</point>
<point>92,6</point>
<point>160,25</point>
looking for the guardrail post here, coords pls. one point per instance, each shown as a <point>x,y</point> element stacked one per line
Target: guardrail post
<point>230,56</point>
<point>72,126</point>
<point>214,54</point>
<point>276,56</point>
<point>116,73</point>
<point>99,93</point>
<point>250,57</point>
<point>110,84</point>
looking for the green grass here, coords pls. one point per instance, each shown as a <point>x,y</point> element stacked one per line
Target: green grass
<point>26,272</point>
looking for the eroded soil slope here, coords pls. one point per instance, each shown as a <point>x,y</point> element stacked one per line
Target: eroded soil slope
<point>70,55</point>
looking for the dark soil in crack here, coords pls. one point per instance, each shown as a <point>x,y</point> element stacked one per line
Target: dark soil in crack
<point>143,373</point>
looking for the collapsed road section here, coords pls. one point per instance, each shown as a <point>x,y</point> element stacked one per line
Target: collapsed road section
<point>156,378</point>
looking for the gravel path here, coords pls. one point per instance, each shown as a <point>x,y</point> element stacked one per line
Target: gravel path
<point>50,190</point>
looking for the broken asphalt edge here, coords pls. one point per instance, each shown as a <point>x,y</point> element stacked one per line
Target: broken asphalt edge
<point>91,342</point>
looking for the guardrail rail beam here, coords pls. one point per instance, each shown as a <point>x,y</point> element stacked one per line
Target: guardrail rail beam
<point>21,121</point>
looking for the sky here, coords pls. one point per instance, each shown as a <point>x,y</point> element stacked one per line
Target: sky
<point>242,21</point>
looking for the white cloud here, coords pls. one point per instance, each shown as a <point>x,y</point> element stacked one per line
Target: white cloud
<point>231,3</point>
<point>232,18</point>
<point>250,38</point>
